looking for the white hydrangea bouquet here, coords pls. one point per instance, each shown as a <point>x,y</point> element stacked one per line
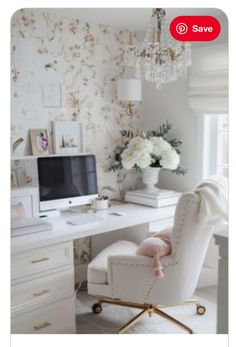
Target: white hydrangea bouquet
<point>150,149</point>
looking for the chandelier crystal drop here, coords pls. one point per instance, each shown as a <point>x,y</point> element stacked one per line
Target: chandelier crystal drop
<point>160,59</point>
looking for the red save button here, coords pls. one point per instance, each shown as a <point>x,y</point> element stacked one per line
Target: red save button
<point>195,28</point>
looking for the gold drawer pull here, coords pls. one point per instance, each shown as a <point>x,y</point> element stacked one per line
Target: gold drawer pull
<point>39,260</point>
<point>45,291</point>
<point>44,325</point>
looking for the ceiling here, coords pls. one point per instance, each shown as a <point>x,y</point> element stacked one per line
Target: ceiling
<point>130,18</point>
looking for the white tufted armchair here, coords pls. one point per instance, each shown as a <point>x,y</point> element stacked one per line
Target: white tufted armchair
<point>121,277</point>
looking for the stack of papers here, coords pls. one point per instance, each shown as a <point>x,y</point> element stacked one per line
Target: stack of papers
<point>29,226</point>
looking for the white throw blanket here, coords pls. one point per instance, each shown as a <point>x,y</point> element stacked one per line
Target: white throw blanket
<point>213,193</point>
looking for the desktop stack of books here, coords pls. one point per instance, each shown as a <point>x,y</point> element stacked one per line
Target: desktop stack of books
<point>158,198</point>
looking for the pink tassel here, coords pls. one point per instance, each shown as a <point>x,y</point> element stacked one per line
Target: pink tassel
<point>158,269</point>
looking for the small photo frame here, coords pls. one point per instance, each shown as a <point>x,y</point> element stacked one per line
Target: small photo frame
<point>39,142</point>
<point>13,180</point>
<point>24,202</point>
<point>67,137</point>
<point>52,95</point>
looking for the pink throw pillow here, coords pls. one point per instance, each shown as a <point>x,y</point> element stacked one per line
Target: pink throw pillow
<point>157,247</point>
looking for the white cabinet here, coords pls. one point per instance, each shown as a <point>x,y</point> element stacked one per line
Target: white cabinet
<point>41,259</point>
<point>54,318</point>
<point>42,291</point>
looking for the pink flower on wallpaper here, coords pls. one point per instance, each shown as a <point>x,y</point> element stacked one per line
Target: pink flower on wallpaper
<point>15,74</point>
<point>74,26</point>
<point>59,25</point>
<point>75,50</point>
<point>89,38</point>
<point>27,21</point>
<point>43,50</point>
<point>71,100</point>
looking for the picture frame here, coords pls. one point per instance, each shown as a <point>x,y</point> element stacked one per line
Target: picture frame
<point>27,199</point>
<point>67,137</point>
<point>39,142</point>
<point>52,95</point>
<point>13,180</point>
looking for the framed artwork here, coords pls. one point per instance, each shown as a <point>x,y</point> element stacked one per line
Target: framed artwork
<point>39,141</point>
<point>13,180</point>
<point>67,137</point>
<point>24,202</point>
<point>52,95</point>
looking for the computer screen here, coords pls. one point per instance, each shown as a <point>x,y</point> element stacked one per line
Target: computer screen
<point>66,179</point>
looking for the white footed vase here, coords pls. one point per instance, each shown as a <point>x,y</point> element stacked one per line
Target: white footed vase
<point>150,178</point>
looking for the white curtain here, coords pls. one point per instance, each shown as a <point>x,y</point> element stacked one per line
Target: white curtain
<point>208,84</point>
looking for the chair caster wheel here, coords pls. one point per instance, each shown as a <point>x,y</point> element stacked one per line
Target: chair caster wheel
<point>97,308</point>
<point>200,309</point>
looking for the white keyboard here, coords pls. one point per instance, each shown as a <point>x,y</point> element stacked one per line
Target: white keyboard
<point>84,220</point>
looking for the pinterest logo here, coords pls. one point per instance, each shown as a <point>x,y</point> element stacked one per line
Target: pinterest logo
<point>181,28</point>
<point>195,28</point>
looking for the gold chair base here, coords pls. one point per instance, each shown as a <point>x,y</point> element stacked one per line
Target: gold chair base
<point>147,309</point>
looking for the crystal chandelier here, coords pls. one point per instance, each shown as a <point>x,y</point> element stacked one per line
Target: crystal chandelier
<point>160,59</point>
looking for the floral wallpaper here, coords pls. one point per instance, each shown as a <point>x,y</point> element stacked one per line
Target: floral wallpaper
<point>84,61</point>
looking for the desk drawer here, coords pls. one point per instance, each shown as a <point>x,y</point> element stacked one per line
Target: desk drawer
<point>56,318</point>
<point>41,291</point>
<point>41,259</point>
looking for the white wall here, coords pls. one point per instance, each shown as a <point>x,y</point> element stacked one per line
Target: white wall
<point>171,103</point>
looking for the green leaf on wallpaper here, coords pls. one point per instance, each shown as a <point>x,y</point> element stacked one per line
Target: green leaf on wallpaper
<point>51,66</point>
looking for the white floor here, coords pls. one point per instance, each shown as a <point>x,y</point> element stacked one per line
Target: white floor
<point>113,317</point>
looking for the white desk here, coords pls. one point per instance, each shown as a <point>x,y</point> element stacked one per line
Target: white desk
<point>43,265</point>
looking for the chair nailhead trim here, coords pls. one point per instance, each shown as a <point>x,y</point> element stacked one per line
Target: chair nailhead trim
<point>178,232</point>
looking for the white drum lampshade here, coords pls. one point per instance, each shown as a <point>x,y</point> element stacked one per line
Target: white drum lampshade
<point>129,89</point>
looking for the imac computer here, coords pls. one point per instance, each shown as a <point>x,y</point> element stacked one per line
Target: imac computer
<point>66,181</point>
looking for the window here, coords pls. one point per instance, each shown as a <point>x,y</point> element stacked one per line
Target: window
<point>213,145</point>
<point>222,146</point>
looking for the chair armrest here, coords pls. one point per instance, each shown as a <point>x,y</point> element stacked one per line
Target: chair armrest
<point>131,259</point>
<point>130,276</point>
<point>138,260</point>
